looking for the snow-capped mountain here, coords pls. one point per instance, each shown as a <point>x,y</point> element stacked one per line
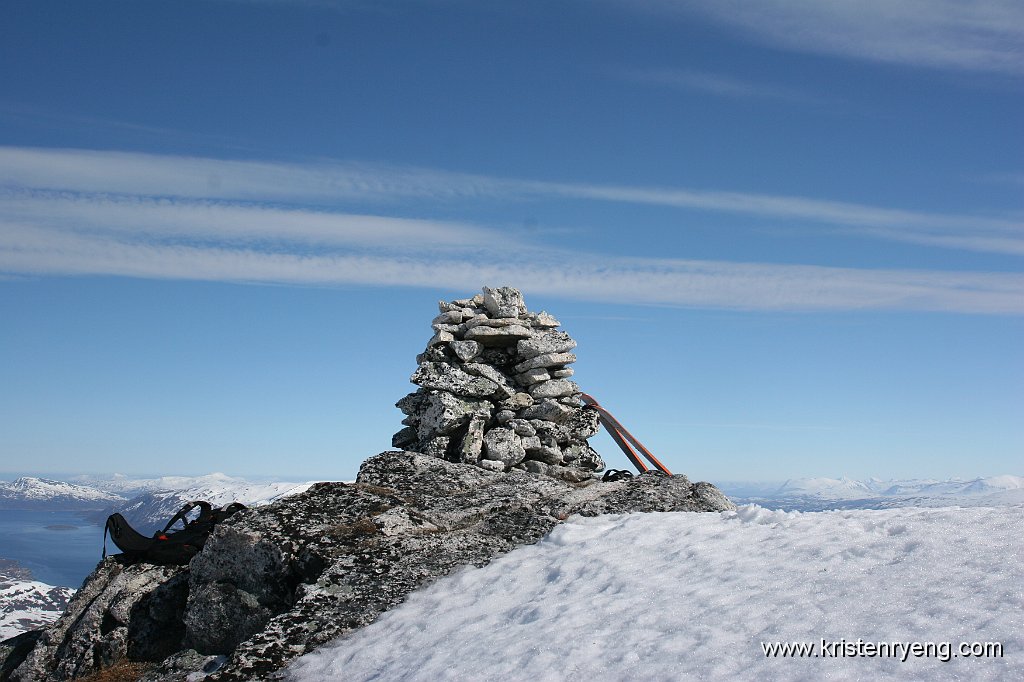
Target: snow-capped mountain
<point>163,497</point>
<point>812,494</point>
<point>27,604</point>
<point>127,486</point>
<point>29,492</point>
<point>826,488</point>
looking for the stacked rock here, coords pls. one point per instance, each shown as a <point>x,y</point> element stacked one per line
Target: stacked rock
<point>495,391</point>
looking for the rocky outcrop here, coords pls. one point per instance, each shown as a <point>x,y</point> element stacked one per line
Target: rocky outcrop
<point>276,582</point>
<point>494,391</point>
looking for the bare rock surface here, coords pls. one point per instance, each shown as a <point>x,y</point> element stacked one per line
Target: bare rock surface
<point>275,582</point>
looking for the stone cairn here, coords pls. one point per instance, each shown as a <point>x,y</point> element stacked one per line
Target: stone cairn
<point>495,391</point>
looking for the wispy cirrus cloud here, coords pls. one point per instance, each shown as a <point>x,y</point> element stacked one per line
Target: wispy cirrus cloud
<point>158,217</point>
<point>981,35</point>
<point>329,183</point>
<point>717,284</point>
<point>190,242</point>
<point>221,222</point>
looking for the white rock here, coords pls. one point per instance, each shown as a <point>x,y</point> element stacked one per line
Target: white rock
<point>473,441</point>
<point>497,336</point>
<point>437,447</point>
<point>484,321</point>
<point>505,389</point>
<point>502,444</point>
<point>546,360</point>
<point>545,343</point>
<point>491,465</point>
<point>440,337</point>
<point>545,320</point>
<point>531,443</point>
<point>466,350</point>
<point>533,376</point>
<point>517,402</point>
<point>442,376</point>
<point>522,427</point>
<point>442,413</point>
<point>449,317</point>
<point>556,388</point>
<point>504,302</point>
<point>547,410</point>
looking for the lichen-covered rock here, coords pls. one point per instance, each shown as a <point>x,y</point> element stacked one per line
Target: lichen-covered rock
<point>556,388</point>
<point>473,441</point>
<point>544,343</point>
<point>445,377</point>
<point>444,413</point>
<point>503,445</point>
<point>278,581</point>
<point>504,302</point>
<point>110,618</point>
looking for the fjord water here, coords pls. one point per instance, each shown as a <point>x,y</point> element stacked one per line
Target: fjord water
<point>60,548</point>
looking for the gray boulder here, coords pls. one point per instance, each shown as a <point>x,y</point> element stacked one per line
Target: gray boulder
<point>442,376</point>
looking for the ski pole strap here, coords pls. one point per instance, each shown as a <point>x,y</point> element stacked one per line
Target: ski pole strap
<point>205,510</point>
<point>623,438</point>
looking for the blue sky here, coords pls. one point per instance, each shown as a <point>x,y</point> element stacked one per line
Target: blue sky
<point>787,235</point>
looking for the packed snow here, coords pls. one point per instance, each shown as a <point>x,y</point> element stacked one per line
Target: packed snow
<point>696,596</point>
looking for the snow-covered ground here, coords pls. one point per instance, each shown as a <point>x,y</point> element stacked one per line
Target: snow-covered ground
<point>697,596</point>
<point>28,604</point>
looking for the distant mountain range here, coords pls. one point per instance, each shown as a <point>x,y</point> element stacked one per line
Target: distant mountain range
<point>147,501</point>
<point>815,494</point>
<point>43,494</point>
<point>157,500</point>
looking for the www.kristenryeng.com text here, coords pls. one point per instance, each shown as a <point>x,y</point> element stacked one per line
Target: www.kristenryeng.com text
<point>842,648</point>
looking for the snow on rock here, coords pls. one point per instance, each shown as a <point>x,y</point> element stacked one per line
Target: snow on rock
<point>693,596</point>
<point>27,604</point>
